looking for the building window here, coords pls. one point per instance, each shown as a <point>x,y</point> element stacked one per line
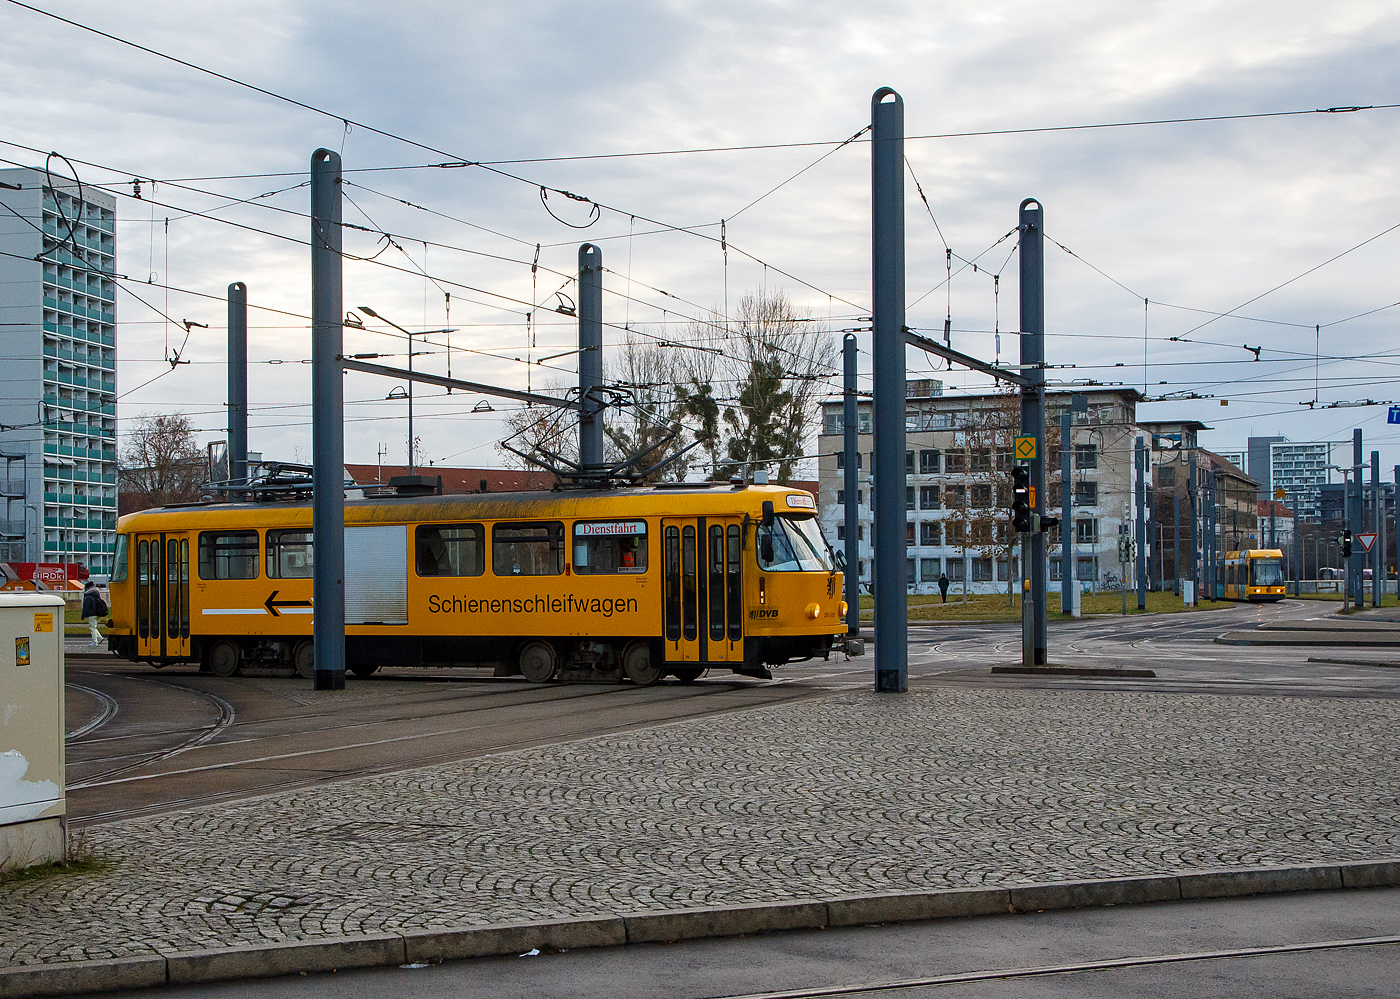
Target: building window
<point>840,497</point>
<point>1003,568</point>
<point>840,532</point>
<point>953,532</point>
<point>1086,532</point>
<point>981,459</point>
<point>1166,476</point>
<point>982,495</point>
<point>1003,495</point>
<point>860,568</point>
<point>928,533</point>
<point>1086,456</point>
<point>909,570</point>
<point>909,534</point>
<point>928,497</point>
<point>957,497</point>
<point>909,496</point>
<point>928,462</point>
<point>928,570</point>
<point>1055,571</point>
<point>955,463</point>
<point>956,570</point>
<point>1087,569</point>
<point>908,462</point>
<point>1086,494</point>
<point>982,533</point>
<point>1003,461</point>
<point>981,570</point>
<point>1053,495</point>
<point>860,532</point>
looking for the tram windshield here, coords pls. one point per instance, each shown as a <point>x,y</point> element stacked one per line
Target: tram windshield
<point>798,546</point>
<point>1266,572</point>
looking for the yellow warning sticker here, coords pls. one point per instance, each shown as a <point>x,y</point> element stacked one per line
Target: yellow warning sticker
<point>43,622</point>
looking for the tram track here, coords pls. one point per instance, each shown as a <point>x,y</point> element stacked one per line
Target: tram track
<point>254,744</point>
<point>1080,967</point>
<point>404,763</point>
<point>226,715</point>
<point>109,708</point>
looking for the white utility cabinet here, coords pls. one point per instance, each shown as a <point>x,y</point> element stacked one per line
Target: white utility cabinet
<point>32,806</point>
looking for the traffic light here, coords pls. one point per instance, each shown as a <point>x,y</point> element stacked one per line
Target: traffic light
<point>1020,499</point>
<point>1346,542</point>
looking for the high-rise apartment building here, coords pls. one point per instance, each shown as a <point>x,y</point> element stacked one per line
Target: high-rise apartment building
<point>1261,462</point>
<point>1301,470</point>
<point>58,392</point>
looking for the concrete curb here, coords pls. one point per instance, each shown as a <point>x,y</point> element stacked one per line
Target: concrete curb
<point>436,945</point>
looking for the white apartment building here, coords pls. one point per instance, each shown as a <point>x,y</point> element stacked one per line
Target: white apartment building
<point>957,486</point>
<point>1301,470</point>
<point>58,314</point>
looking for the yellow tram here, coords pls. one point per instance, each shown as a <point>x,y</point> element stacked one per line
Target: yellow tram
<point>638,582</point>
<point>1255,575</point>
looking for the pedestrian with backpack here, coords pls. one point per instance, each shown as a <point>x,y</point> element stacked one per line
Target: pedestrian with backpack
<point>94,607</point>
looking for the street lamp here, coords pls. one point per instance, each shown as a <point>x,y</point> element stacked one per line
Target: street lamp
<point>410,334</point>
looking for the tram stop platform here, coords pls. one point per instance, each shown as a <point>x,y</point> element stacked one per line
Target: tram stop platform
<point>840,809</point>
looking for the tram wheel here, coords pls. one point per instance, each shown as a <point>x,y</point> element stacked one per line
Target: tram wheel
<point>224,658</point>
<point>304,659</point>
<point>538,662</point>
<point>364,670</point>
<point>687,675</point>
<point>637,664</point>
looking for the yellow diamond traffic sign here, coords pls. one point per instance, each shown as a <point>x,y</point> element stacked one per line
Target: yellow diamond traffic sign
<point>1025,448</point>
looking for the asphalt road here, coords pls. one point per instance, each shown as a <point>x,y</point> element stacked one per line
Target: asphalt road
<point>1305,945</point>
<point>145,740</point>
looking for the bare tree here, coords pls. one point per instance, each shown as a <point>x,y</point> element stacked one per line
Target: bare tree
<point>161,463</point>
<point>535,430</point>
<point>648,425</point>
<point>779,365</point>
<point>986,451</point>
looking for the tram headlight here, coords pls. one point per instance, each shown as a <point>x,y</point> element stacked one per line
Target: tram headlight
<point>845,608</point>
<point>814,611</point>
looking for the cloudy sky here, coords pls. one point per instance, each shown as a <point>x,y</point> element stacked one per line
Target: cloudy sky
<point>1198,218</point>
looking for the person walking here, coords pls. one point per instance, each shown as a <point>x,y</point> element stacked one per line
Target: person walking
<point>93,608</point>
<point>943,585</point>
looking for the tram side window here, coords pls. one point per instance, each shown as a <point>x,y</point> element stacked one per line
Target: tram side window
<point>528,549</point>
<point>289,555</point>
<point>450,549</point>
<point>228,555</point>
<point>610,546</point>
<point>119,562</point>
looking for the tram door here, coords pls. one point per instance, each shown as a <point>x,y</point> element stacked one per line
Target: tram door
<point>703,589</point>
<point>162,596</point>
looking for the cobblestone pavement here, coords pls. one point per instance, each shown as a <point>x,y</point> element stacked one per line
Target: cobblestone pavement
<point>851,793</point>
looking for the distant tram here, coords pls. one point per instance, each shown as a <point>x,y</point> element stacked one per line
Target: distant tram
<point>638,582</point>
<point>1255,575</point>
